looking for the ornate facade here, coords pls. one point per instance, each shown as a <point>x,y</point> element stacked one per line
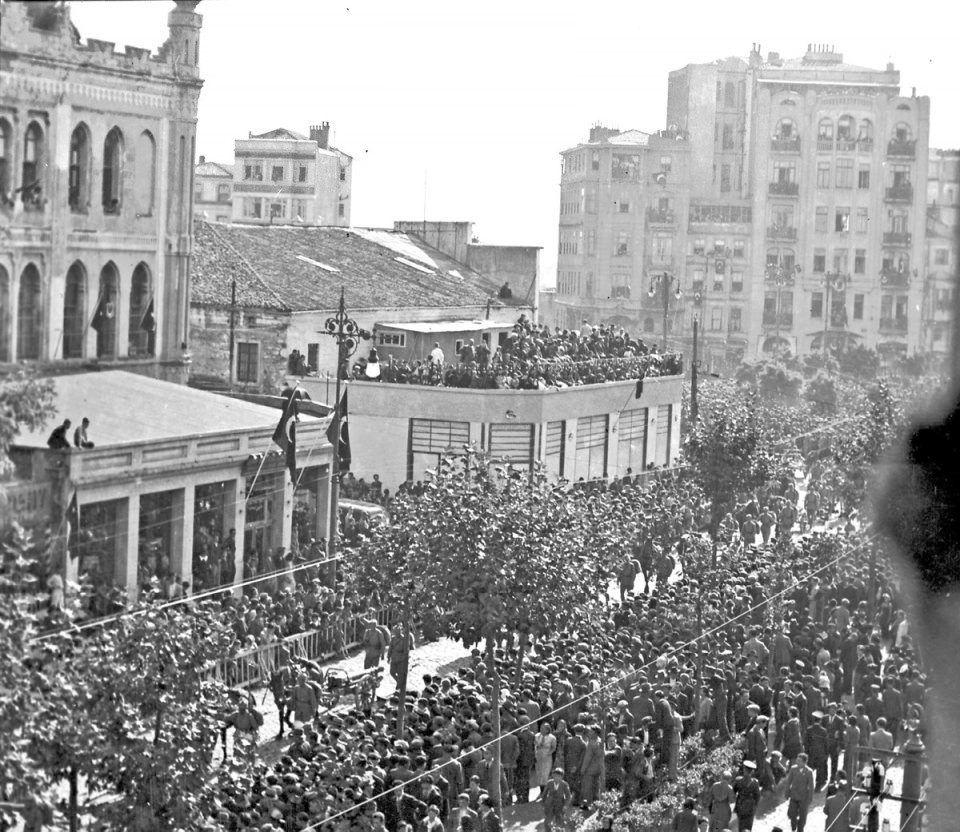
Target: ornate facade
<point>96,180</point>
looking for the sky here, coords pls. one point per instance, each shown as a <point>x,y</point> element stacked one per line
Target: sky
<point>459,112</point>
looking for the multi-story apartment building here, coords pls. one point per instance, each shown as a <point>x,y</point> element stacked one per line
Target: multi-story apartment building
<point>286,177</point>
<point>623,200</point>
<point>943,225</point>
<point>801,227</point>
<point>212,191</point>
<point>96,168</point>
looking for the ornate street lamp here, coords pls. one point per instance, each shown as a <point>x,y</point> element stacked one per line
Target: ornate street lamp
<point>348,335</point>
<point>781,278</point>
<point>662,281</point>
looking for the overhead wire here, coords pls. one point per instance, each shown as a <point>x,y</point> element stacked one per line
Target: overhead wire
<point>603,686</point>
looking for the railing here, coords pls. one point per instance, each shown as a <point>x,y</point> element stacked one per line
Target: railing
<point>846,145</point>
<point>781,232</point>
<point>899,193</point>
<point>783,319</point>
<point>906,148</point>
<point>791,145</point>
<point>897,238</point>
<point>893,325</point>
<point>825,145</point>
<point>893,278</point>
<point>252,668</point>
<point>784,189</point>
<point>656,215</point>
<point>865,145</point>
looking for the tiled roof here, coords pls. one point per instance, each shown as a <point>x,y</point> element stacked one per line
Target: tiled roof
<point>281,133</point>
<point>820,66</point>
<point>630,137</point>
<point>303,268</point>
<point>215,264</point>
<point>213,169</point>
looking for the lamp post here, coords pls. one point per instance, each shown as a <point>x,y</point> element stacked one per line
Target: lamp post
<point>838,283</point>
<point>662,281</point>
<point>781,278</point>
<point>348,335</point>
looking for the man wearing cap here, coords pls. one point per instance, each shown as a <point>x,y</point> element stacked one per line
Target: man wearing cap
<point>591,767</point>
<point>572,760</point>
<point>799,790</point>
<point>816,745</point>
<point>555,797</point>
<point>747,791</point>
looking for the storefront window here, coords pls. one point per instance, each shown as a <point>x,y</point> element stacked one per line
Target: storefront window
<point>99,545</point>
<point>213,545</point>
<point>156,546</point>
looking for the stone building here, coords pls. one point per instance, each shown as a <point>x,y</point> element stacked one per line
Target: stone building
<point>96,178</point>
<point>285,177</point>
<point>942,255</point>
<point>803,228</point>
<point>212,191</point>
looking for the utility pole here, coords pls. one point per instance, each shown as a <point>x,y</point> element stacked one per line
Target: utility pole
<point>348,335</point>
<point>694,404</point>
<point>663,281</point>
<point>233,309</point>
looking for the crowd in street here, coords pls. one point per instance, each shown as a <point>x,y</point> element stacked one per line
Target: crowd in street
<point>803,656</point>
<point>529,357</point>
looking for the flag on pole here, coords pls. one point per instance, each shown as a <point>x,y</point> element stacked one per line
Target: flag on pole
<point>148,323</point>
<point>72,520</point>
<point>343,445</point>
<point>286,433</point>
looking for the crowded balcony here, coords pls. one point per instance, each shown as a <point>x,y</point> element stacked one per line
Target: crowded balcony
<point>894,278</point>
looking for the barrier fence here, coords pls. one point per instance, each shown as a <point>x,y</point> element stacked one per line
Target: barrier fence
<point>252,668</point>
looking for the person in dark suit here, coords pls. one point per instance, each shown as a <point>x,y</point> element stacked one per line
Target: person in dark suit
<point>58,440</point>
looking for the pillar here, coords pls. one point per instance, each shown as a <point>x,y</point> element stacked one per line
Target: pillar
<point>233,519</point>
<point>286,529</point>
<point>651,437</point>
<point>323,503</point>
<point>128,544</point>
<point>910,813</point>
<point>184,503</point>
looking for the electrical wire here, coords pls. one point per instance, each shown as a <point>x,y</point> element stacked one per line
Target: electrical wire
<point>603,686</point>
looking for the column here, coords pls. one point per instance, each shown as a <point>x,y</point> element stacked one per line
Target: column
<point>286,528</point>
<point>128,544</point>
<point>651,437</point>
<point>185,533</point>
<point>674,434</point>
<point>233,519</point>
<point>323,503</point>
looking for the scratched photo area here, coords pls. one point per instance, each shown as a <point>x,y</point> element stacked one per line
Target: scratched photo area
<point>421,418</point>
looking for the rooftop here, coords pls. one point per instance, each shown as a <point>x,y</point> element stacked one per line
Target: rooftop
<point>213,169</point>
<point>127,408</point>
<point>446,326</point>
<point>281,133</point>
<point>301,268</point>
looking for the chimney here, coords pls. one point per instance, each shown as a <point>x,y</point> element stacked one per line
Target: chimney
<point>320,133</point>
<point>203,159</point>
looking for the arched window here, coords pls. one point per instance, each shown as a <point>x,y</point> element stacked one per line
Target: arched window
<point>786,129</point>
<point>113,171</point>
<point>845,128</point>
<point>4,314</point>
<point>729,95</point>
<point>865,131</point>
<point>141,324</point>
<point>32,188</point>
<point>78,195</point>
<point>105,315</point>
<point>143,182</point>
<point>29,315</point>
<point>825,129</point>
<point>75,311</point>
<point>4,162</point>
<point>902,132</point>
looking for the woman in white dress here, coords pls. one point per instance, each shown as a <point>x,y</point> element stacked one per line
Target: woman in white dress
<point>544,744</point>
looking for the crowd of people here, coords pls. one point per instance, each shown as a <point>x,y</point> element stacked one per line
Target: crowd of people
<point>802,657</point>
<point>530,357</point>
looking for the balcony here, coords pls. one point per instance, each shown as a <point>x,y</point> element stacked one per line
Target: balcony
<point>846,146</point>
<point>899,193</point>
<point>865,145</point>
<point>897,238</point>
<point>791,145</point>
<point>906,149</point>
<point>837,320</point>
<point>784,189</point>
<point>893,326</point>
<point>784,319</point>
<point>781,232</point>
<point>894,278</point>
<point>824,145</point>
<point>660,216</point>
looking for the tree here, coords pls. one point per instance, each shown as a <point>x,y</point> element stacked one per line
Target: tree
<point>821,392</point>
<point>731,454</point>
<point>503,553</point>
<point>24,402</point>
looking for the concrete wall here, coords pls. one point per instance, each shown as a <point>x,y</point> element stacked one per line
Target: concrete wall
<point>452,238</point>
<point>519,266</point>
<point>380,438</point>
